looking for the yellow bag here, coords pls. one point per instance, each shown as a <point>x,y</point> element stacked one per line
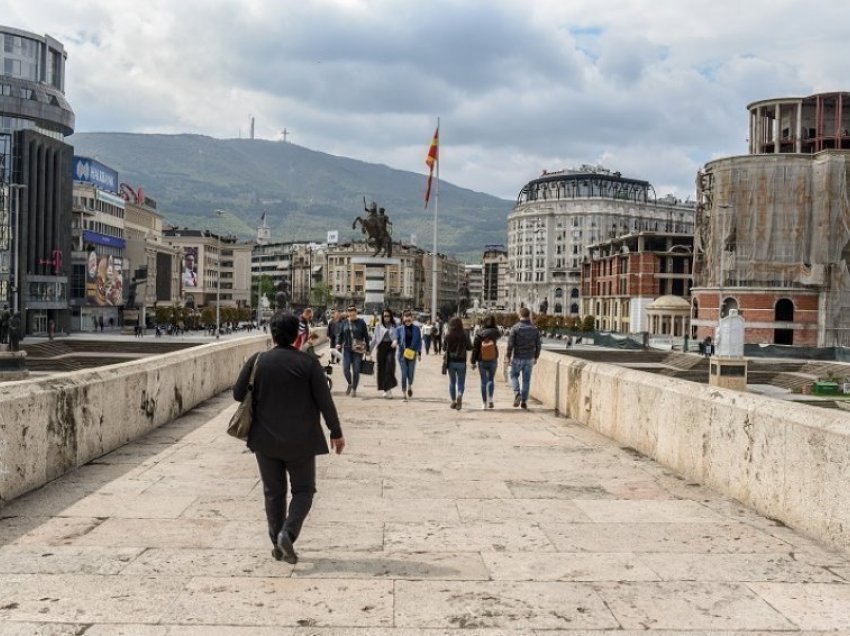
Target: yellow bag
<point>409,354</point>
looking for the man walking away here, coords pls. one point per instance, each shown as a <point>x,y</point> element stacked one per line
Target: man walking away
<point>524,345</point>
<point>290,394</point>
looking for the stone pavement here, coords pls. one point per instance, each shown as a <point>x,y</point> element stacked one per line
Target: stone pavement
<point>432,522</point>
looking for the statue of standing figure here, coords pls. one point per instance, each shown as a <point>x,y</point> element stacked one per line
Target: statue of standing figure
<point>463,299</point>
<point>5,315</point>
<point>379,228</point>
<point>15,332</point>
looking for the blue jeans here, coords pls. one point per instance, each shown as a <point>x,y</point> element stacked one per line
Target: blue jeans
<point>407,368</point>
<point>487,371</point>
<point>521,366</point>
<point>457,378</point>
<point>351,361</point>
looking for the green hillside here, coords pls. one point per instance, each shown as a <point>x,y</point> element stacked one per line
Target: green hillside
<point>303,192</point>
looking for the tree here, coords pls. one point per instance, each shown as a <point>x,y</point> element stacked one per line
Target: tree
<point>588,323</point>
<point>208,316</point>
<point>321,296</point>
<point>267,289</point>
<point>162,314</point>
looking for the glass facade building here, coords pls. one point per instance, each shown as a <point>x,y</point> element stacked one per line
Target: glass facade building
<point>35,179</point>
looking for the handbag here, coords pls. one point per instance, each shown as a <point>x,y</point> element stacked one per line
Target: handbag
<point>367,367</point>
<point>240,424</point>
<point>409,354</point>
<point>358,345</point>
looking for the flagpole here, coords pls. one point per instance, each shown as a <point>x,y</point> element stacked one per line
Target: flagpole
<point>434,256</point>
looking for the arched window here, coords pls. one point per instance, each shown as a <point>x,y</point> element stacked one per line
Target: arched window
<point>559,293</point>
<point>574,309</point>
<point>559,308</point>
<point>784,310</point>
<point>728,305</point>
<point>574,293</point>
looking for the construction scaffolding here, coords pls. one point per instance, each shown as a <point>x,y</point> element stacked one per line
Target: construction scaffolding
<point>778,221</point>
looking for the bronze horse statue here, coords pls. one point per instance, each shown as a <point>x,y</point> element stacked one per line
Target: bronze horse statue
<point>378,227</point>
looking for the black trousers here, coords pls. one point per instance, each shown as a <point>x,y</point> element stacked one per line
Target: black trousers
<point>302,478</point>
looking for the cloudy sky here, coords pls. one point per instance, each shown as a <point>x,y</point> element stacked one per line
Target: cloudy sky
<point>650,88</point>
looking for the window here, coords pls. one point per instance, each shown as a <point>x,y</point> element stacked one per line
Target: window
<point>12,67</point>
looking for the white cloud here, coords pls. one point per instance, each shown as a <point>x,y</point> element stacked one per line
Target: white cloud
<point>653,89</point>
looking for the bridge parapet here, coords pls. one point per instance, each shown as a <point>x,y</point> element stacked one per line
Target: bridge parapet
<point>787,461</point>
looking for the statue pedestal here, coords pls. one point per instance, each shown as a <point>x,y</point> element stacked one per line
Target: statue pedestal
<point>376,276</point>
<point>729,373</point>
<point>12,365</point>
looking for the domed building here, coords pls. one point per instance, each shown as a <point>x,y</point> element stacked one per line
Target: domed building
<point>560,214</point>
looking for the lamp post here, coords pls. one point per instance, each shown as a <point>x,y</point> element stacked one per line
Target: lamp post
<point>218,213</point>
<point>14,189</point>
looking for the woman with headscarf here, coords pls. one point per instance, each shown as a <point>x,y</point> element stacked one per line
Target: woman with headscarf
<point>290,392</point>
<point>385,342</point>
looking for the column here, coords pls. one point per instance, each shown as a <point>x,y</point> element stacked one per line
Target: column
<point>777,127</point>
<point>798,145</point>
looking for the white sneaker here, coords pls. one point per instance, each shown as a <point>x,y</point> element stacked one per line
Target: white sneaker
<point>388,394</point>
<point>484,406</point>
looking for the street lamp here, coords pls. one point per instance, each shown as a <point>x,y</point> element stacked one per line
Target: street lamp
<point>218,213</point>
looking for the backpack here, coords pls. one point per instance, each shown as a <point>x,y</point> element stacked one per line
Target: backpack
<point>435,331</point>
<point>488,350</point>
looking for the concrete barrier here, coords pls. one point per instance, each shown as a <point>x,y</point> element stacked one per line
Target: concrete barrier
<point>787,461</point>
<point>51,425</point>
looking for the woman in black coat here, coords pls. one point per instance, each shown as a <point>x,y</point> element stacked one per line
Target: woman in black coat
<point>290,392</point>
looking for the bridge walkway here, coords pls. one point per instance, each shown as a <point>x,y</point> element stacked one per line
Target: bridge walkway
<point>485,523</point>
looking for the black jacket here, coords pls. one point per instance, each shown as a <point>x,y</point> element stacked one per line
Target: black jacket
<point>350,331</point>
<point>490,332</point>
<point>524,341</point>
<point>290,391</point>
<point>457,353</point>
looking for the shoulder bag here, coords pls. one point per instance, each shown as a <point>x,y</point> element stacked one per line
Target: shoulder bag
<point>240,424</point>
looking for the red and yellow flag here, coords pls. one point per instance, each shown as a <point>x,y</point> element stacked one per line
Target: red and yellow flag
<point>430,160</point>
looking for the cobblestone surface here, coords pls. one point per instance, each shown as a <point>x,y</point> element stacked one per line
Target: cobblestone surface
<point>482,523</point>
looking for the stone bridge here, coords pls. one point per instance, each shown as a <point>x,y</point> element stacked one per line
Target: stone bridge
<point>433,522</point>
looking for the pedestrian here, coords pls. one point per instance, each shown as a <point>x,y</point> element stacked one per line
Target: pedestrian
<point>708,347</point>
<point>426,336</point>
<point>409,338</point>
<point>524,345</point>
<point>289,392</point>
<point>304,327</point>
<point>485,353</point>
<point>51,329</point>
<point>454,360</point>
<point>100,323</point>
<point>437,335</point>
<point>384,345</point>
<point>353,342</point>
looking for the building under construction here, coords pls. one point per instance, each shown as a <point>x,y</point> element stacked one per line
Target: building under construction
<point>773,227</point>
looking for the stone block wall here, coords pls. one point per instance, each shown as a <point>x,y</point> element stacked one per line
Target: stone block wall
<point>787,461</point>
<point>51,425</point>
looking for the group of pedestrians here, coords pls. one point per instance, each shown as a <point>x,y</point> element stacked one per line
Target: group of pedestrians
<point>393,345</point>
<point>289,394</point>
<point>521,354</point>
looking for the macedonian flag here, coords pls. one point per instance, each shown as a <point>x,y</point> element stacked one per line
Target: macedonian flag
<point>431,160</point>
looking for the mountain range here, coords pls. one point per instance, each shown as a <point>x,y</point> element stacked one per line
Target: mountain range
<point>304,193</point>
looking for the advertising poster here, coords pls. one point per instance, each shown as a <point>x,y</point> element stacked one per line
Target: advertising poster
<point>190,267</point>
<point>104,280</point>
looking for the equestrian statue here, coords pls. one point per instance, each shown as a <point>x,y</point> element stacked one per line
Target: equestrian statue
<point>379,228</point>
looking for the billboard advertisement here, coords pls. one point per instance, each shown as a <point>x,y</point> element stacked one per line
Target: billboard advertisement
<point>333,237</point>
<point>104,280</point>
<point>93,172</point>
<point>190,267</point>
